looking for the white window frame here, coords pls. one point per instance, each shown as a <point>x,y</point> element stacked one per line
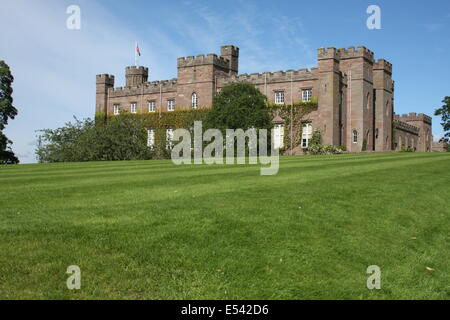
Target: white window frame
<point>279,97</point>
<point>152,106</point>
<point>133,107</point>
<point>194,100</point>
<point>171,105</point>
<point>169,138</point>
<point>307,132</point>
<point>116,109</point>
<point>306,95</point>
<point>150,138</point>
<point>355,136</point>
<point>278,133</point>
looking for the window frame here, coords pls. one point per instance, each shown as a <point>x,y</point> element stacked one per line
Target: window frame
<point>171,103</point>
<point>279,94</point>
<point>151,141</point>
<point>306,135</point>
<point>194,100</point>
<point>308,92</point>
<point>133,104</point>
<point>354,135</point>
<point>116,109</point>
<point>152,103</point>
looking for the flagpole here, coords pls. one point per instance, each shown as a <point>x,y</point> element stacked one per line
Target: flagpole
<point>135,53</point>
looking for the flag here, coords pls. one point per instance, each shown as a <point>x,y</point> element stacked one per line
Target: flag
<point>138,51</point>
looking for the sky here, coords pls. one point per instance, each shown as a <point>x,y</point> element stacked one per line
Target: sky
<point>55,67</point>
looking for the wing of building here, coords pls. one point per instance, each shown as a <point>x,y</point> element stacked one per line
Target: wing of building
<point>355,95</point>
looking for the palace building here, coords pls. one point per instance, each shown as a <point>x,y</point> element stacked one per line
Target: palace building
<point>354,92</point>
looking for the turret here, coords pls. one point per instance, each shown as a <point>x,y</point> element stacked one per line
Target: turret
<point>104,82</point>
<point>135,76</point>
<point>232,54</point>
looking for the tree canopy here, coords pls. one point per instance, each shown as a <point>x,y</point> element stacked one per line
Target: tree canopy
<point>444,112</point>
<point>7,112</point>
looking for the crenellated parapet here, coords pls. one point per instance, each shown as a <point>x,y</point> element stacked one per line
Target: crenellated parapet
<point>201,59</point>
<point>106,79</point>
<point>328,53</point>
<point>401,125</point>
<point>412,116</point>
<point>147,87</point>
<point>358,52</point>
<point>382,64</point>
<point>273,77</point>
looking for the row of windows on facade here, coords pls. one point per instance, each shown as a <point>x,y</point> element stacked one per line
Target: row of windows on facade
<point>152,105</point>
<point>279,99</point>
<point>306,96</point>
<point>278,136</point>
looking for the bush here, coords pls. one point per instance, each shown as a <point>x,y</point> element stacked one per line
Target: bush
<point>316,147</point>
<point>406,149</point>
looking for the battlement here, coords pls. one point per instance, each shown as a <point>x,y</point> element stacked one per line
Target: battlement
<point>201,59</point>
<point>359,52</point>
<point>147,87</point>
<point>105,79</point>
<point>382,64</point>
<point>400,125</point>
<point>412,116</point>
<point>134,70</point>
<point>328,53</point>
<point>270,77</point>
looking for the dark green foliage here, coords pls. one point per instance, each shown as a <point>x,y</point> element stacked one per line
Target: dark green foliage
<point>444,112</point>
<point>123,137</point>
<point>239,106</point>
<point>316,147</point>
<point>364,145</point>
<point>7,111</point>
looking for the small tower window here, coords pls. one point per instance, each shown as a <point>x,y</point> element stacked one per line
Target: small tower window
<point>194,101</point>
<point>355,136</point>
<point>279,97</point>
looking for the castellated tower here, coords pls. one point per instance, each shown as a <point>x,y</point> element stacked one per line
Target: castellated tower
<point>199,75</point>
<point>232,54</point>
<point>383,88</point>
<point>357,63</point>
<point>329,92</point>
<point>104,82</point>
<point>135,76</point>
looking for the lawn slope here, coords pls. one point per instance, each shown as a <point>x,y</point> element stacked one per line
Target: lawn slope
<point>153,230</point>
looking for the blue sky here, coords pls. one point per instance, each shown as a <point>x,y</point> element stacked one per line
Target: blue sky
<point>55,68</point>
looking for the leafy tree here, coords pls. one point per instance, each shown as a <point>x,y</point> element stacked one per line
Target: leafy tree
<point>122,137</point>
<point>444,112</point>
<point>7,111</point>
<point>239,106</point>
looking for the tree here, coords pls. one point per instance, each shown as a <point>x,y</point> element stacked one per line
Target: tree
<point>444,112</point>
<point>122,137</point>
<point>239,106</point>
<point>7,111</point>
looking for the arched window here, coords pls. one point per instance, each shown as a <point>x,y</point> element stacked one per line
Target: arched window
<point>355,136</point>
<point>194,101</point>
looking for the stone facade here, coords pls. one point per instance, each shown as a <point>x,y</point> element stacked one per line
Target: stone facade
<point>355,95</point>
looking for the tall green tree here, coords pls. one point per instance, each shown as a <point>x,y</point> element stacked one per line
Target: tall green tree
<point>444,112</point>
<point>7,111</point>
<point>239,106</point>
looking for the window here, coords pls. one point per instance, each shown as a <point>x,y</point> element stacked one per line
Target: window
<point>306,95</point>
<point>133,107</point>
<point>169,138</point>
<point>150,138</point>
<point>355,136</point>
<point>194,101</point>
<point>279,97</point>
<point>278,136</point>
<point>170,105</point>
<point>116,109</point>
<point>151,106</point>
<point>306,134</point>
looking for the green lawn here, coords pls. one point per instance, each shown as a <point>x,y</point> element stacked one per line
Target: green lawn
<point>153,230</point>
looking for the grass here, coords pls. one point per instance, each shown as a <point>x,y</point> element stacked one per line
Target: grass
<point>153,230</point>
